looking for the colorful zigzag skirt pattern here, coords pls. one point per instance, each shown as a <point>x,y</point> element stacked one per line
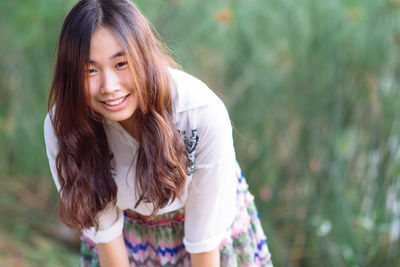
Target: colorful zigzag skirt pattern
<point>157,241</point>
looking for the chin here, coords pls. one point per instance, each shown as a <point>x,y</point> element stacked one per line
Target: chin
<point>123,116</point>
<point>117,118</point>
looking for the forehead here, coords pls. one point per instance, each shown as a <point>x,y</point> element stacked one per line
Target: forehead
<point>104,44</point>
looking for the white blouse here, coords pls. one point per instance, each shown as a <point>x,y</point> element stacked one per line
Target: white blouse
<point>209,198</point>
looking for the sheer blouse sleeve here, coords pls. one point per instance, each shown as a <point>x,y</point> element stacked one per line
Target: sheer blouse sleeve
<point>111,219</point>
<point>211,204</point>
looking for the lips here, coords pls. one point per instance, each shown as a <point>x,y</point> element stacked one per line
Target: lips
<point>116,104</point>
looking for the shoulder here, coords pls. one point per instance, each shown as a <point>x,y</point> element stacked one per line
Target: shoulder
<point>196,104</point>
<point>48,125</point>
<point>50,137</point>
<point>189,92</point>
<point>51,143</point>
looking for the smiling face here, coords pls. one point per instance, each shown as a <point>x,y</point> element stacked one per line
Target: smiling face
<point>109,80</point>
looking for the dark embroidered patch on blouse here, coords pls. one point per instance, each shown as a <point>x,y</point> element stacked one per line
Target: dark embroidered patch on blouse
<point>190,148</point>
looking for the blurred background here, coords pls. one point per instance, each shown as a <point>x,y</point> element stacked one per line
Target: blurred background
<point>312,87</point>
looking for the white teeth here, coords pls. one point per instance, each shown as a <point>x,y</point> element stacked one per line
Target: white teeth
<point>115,102</point>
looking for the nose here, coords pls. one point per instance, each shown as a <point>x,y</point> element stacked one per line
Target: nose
<point>111,82</point>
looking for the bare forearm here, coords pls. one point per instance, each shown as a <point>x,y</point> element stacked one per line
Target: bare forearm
<point>206,259</point>
<point>113,253</point>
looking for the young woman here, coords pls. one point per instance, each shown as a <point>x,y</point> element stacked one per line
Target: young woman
<point>142,153</point>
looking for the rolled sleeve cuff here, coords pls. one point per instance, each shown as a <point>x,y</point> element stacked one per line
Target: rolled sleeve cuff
<point>206,245</point>
<point>107,235</point>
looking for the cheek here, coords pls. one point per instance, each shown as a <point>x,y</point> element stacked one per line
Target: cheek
<point>91,91</point>
<point>128,80</point>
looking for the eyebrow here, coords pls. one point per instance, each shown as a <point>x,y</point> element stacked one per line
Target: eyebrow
<point>118,54</point>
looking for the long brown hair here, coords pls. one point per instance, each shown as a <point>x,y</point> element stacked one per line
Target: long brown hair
<point>84,163</point>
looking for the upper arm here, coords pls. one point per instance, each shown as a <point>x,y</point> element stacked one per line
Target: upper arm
<point>211,204</point>
<point>51,143</point>
<point>111,219</point>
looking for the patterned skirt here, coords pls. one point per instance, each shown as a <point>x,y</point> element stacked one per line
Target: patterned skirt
<point>157,241</point>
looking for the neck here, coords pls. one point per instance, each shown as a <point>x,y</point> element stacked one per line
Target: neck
<point>131,126</point>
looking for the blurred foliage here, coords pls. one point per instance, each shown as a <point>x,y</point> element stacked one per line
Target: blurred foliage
<point>313,92</point>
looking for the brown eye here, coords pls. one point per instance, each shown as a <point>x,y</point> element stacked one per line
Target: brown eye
<point>120,64</point>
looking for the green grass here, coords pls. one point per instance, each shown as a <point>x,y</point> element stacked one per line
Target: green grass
<point>313,92</point>
<point>20,246</point>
